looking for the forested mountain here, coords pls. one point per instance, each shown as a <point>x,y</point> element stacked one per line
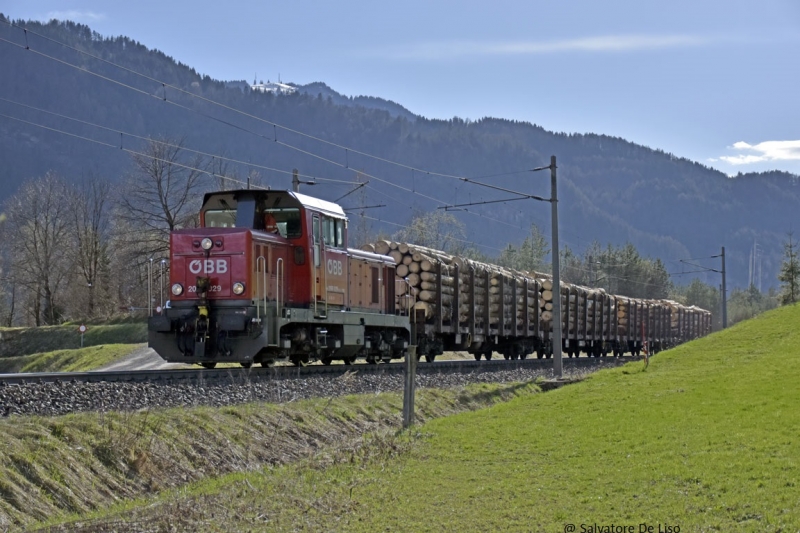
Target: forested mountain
<point>611,190</point>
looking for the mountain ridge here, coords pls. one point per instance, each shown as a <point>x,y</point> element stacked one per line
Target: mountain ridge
<point>611,190</point>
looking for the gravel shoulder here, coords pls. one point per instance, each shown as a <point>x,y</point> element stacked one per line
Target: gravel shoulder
<point>52,399</point>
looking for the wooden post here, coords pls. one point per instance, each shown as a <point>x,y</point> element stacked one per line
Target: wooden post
<point>410,375</point>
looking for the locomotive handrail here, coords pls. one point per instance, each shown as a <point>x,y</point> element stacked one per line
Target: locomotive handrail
<point>279,284</point>
<point>261,283</point>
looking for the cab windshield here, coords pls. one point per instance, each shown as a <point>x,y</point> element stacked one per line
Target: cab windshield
<point>284,221</point>
<point>220,218</point>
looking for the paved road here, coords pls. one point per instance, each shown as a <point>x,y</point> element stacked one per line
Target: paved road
<point>142,358</point>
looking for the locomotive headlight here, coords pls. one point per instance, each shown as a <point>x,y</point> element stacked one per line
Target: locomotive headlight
<point>206,243</point>
<point>177,289</point>
<point>238,288</point>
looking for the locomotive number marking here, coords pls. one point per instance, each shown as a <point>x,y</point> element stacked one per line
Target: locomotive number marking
<point>334,267</point>
<point>212,288</point>
<point>209,266</point>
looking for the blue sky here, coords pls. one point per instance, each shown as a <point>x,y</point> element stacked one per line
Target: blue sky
<point>714,81</point>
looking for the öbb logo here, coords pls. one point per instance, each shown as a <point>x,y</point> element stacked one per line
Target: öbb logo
<point>209,266</point>
<point>334,267</point>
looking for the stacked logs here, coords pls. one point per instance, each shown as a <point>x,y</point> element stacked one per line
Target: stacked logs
<point>421,271</point>
<point>498,292</point>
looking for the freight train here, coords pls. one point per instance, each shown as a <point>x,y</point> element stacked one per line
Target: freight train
<point>268,277</point>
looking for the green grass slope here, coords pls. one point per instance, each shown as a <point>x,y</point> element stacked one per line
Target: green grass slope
<point>706,438</point>
<point>16,342</point>
<point>75,360</point>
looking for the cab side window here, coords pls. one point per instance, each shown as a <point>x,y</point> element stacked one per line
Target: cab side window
<point>340,234</point>
<point>328,234</point>
<point>333,232</point>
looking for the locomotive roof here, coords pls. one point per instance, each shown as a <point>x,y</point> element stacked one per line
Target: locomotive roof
<point>329,208</point>
<point>320,205</point>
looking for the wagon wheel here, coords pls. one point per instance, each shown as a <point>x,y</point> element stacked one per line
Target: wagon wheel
<point>477,356</point>
<point>430,358</point>
<point>327,361</point>
<point>349,360</point>
<point>246,365</point>
<point>488,356</point>
<point>208,365</point>
<point>268,363</point>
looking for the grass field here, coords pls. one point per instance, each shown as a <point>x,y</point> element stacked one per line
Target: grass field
<point>16,342</point>
<point>58,348</point>
<point>75,360</point>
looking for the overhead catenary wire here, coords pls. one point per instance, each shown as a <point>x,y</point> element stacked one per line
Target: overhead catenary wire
<point>275,125</point>
<point>171,145</point>
<point>306,152</point>
<point>346,165</point>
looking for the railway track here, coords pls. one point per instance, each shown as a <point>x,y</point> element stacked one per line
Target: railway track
<point>238,375</point>
<point>55,394</point>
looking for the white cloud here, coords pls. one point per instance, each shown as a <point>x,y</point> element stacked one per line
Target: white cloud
<point>76,16</point>
<point>764,151</point>
<point>607,43</point>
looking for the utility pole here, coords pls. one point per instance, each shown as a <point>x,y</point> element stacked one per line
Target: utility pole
<point>724,293</point>
<point>557,363</point>
<point>296,181</point>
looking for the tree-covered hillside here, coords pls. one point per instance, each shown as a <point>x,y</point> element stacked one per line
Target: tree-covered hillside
<point>610,190</point>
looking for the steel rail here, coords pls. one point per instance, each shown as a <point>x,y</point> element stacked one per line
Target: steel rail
<point>204,375</point>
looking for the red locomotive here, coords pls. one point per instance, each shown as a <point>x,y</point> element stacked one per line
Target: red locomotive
<point>268,276</point>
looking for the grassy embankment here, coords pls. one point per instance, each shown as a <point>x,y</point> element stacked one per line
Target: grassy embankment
<point>705,439</point>
<point>85,463</point>
<point>57,348</point>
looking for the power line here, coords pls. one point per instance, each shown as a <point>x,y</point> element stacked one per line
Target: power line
<point>406,226</point>
<point>164,85</point>
<point>306,152</point>
<point>168,144</point>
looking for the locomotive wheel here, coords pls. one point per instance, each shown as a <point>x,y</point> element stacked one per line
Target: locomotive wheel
<point>247,365</point>
<point>208,365</point>
<point>430,358</point>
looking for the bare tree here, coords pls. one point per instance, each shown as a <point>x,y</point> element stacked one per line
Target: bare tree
<point>90,224</point>
<point>8,289</point>
<point>161,194</point>
<point>40,244</point>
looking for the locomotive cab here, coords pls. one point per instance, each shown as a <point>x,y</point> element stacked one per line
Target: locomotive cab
<point>268,276</point>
